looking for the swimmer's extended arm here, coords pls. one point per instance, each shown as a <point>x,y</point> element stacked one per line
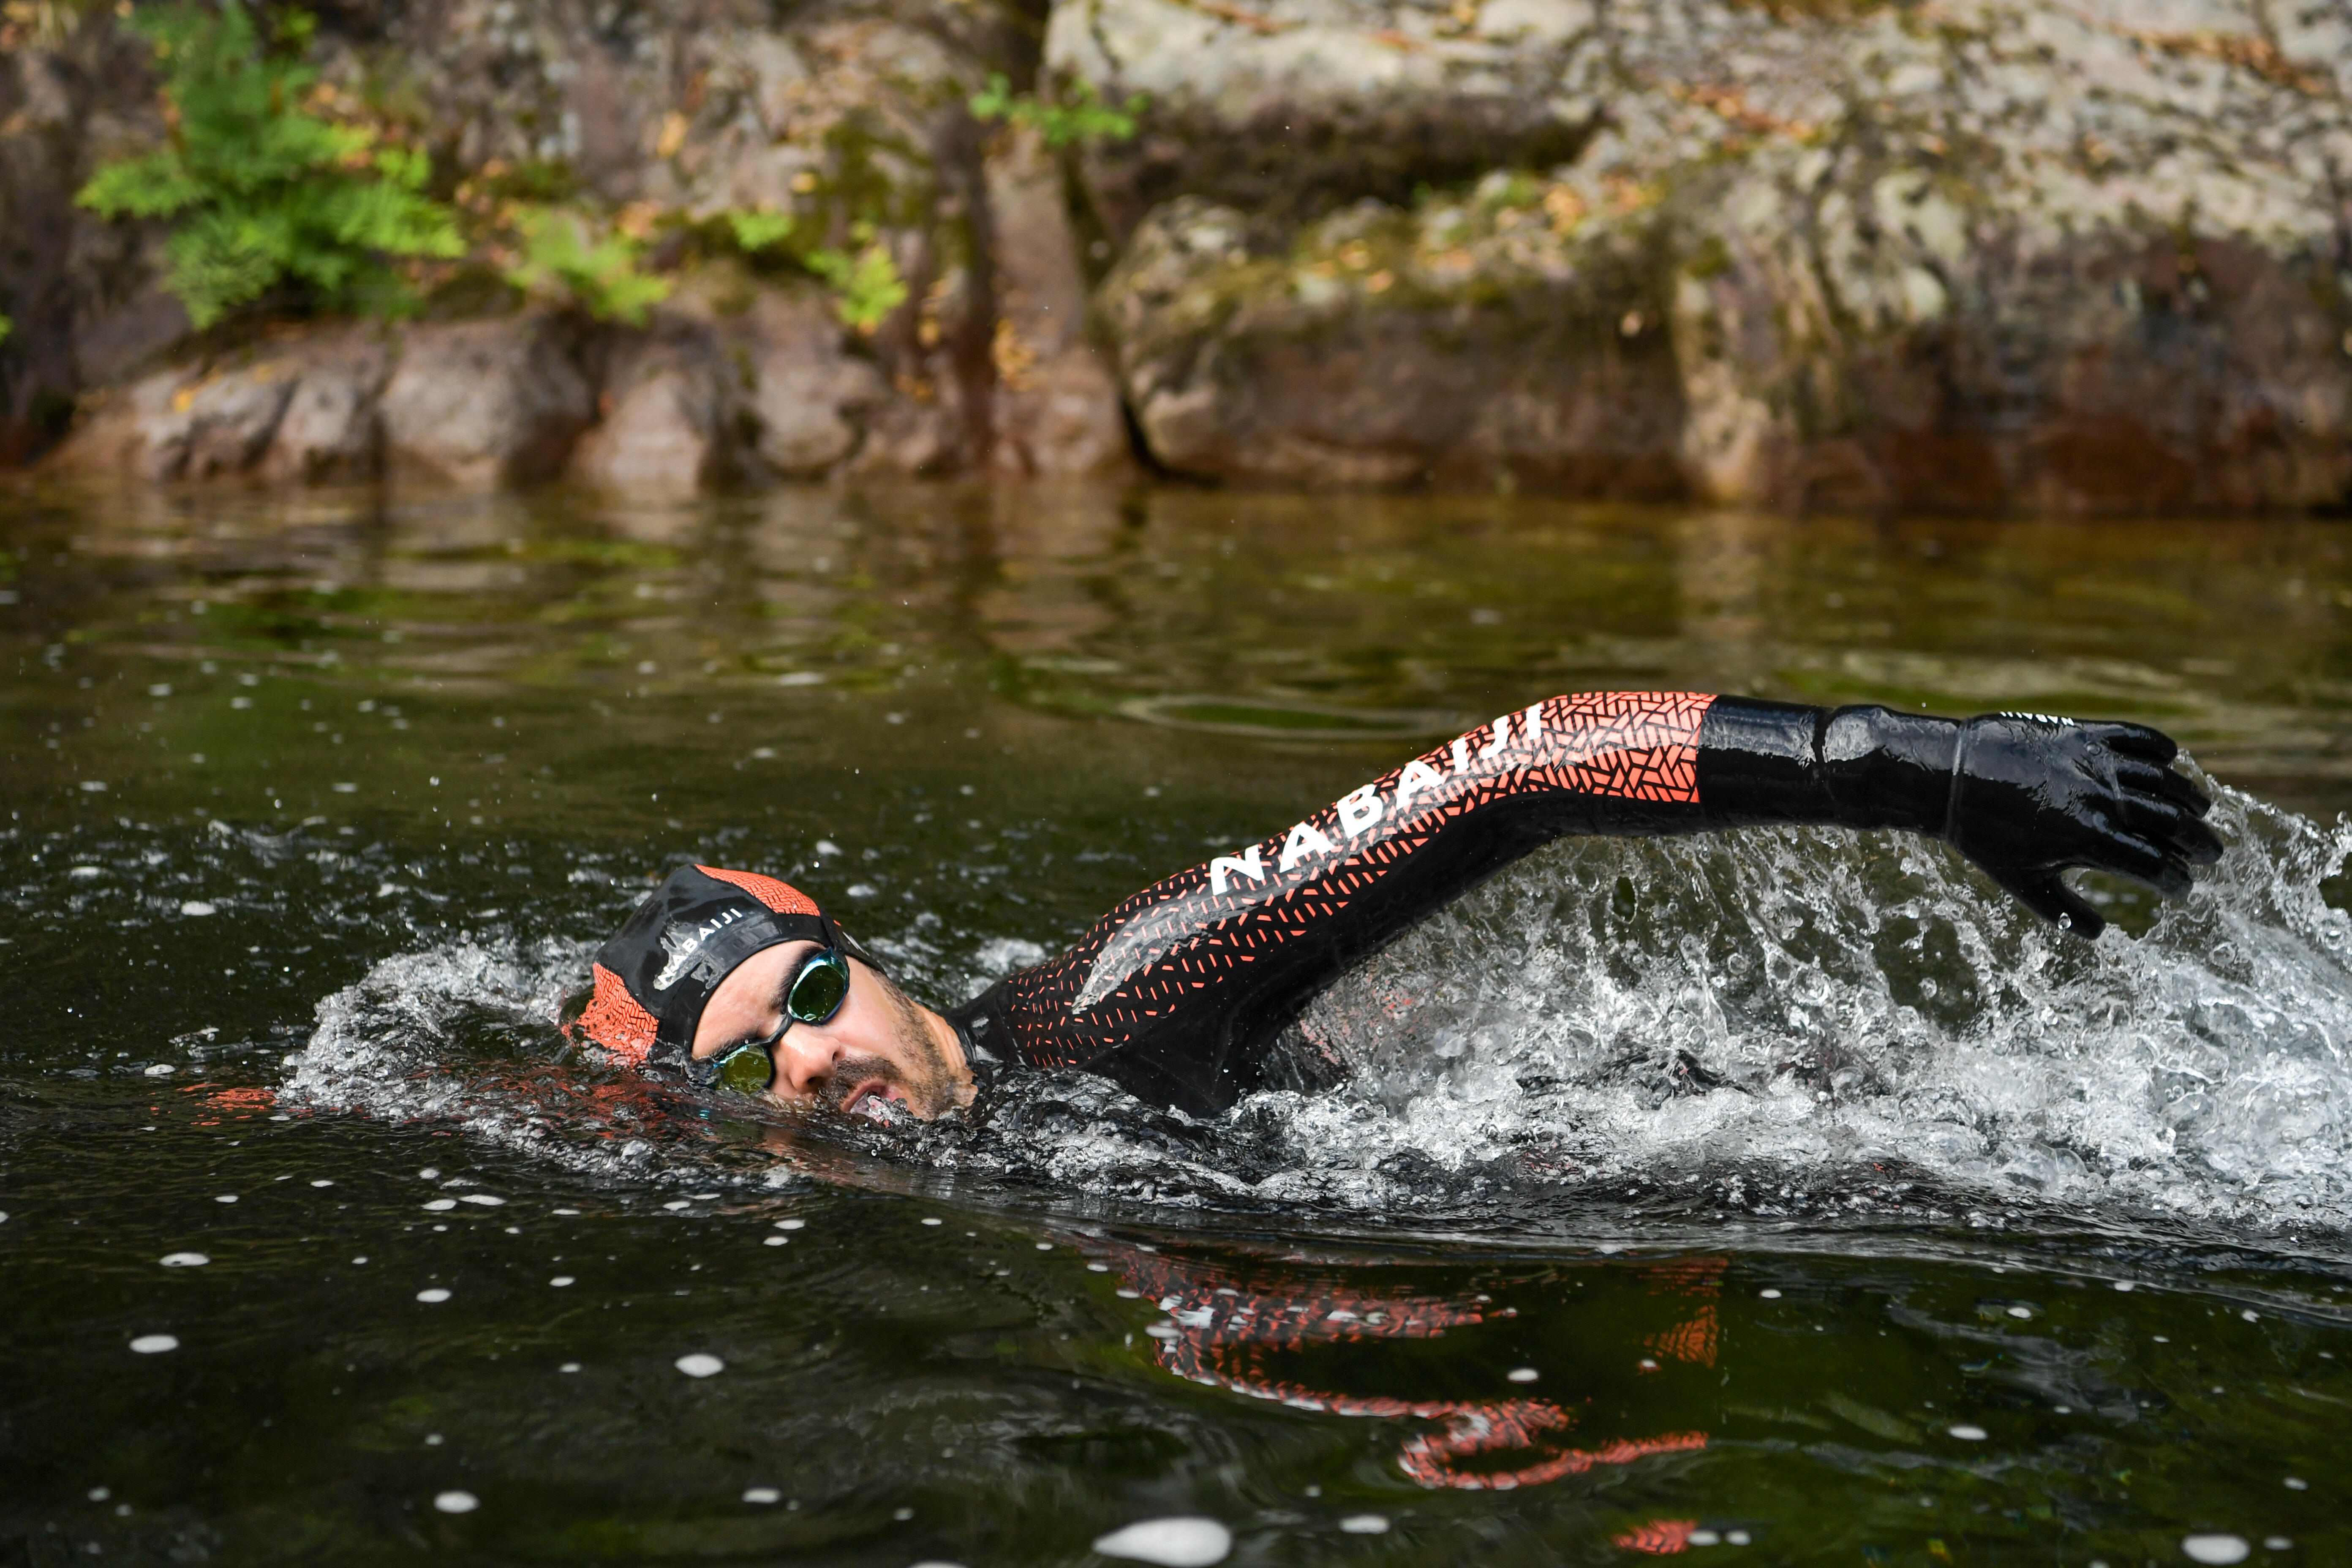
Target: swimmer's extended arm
<point>1177,991</point>
<point>2025,796</point>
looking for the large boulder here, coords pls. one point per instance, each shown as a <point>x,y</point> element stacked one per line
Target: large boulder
<point>1980,254</point>
<point>487,402</point>
<point>1468,344</point>
<point>299,408</point>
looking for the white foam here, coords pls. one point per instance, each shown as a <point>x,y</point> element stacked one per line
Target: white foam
<point>1184,1541</point>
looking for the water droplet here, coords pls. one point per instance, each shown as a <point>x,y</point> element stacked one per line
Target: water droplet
<point>434,1295</point>
<point>456,1502</point>
<point>225,1198</point>
<point>560,1280</point>
<point>185,1260</point>
<point>1365,1524</point>
<point>902,1515</point>
<point>1179,1543</point>
<point>1969,1434</point>
<point>569,1367</point>
<point>2297,1484</point>
<point>933,1219</point>
<point>155,1344</point>
<point>1738,1537</point>
<point>2021,1312</point>
<point>322,1181</point>
<point>1523,1374</point>
<point>442,1205</point>
<point>762,1494</point>
<point>791,1224</point>
<point>99,1494</point>
<point>2215,1548</point>
<point>1768,1294</point>
<point>2125,1285</point>
<point>775,1241</point>
<point>700,1365</point>
<point>1704,1538</point>
<point>485,1199</point>
<point>197,907</point>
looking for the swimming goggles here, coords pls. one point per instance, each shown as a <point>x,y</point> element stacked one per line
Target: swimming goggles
<point>817,991</point>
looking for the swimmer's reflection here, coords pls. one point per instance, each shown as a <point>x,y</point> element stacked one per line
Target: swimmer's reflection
<point>1258,1334</point>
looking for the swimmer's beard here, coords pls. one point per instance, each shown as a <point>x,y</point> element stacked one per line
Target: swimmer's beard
<point>927,1090</point>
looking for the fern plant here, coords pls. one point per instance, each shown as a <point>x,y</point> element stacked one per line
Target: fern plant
<point>601,274</point>
<point>867,285</point>
<point>1083,117</point>
<point>266,191</point>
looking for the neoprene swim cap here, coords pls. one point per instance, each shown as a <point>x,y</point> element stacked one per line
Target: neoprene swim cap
<point>657,975</point>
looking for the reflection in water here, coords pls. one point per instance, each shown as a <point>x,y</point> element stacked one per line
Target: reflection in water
<point>1224,1326</point>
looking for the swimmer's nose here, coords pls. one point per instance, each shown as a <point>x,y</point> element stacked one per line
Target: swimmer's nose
<point>804,1059</point>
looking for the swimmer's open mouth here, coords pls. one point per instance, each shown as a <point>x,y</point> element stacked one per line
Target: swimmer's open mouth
<point>874,1099</point>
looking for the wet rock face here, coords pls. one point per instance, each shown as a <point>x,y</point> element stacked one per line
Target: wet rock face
<point>1987,254</point>
<point>1380,349</point>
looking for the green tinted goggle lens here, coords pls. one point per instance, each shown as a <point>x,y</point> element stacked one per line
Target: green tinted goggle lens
<point>815,995</point>
<point>819,989</point>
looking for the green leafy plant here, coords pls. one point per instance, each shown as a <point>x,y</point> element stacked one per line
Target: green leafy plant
<point>602,274</point>
<point>264,189</point>
<point>755,231</point>
<point>867,284</point>
<point>1084,117</point>
<point>6,326</point>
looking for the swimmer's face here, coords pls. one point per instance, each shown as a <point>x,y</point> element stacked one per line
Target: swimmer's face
<point>880,1047</point>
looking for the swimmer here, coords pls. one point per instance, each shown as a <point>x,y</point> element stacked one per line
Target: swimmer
<point>1180,994</point>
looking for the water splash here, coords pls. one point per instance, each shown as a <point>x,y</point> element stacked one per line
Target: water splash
<point>1784,1020</point>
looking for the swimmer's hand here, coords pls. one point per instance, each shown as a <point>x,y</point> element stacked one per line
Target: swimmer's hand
<point>2033,796</point>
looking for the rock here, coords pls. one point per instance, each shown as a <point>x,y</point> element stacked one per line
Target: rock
<point>299,408</point>
<point>1879,258</point>
<point>1473,345</point>
<point>807,398</point>
<point>1057,408</point>
<point>1290,108</point>
<point>487,402</point>
<point>330,428</point>
<point>665,404</point>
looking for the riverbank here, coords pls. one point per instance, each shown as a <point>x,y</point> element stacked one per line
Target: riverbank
<point>1988,256</point>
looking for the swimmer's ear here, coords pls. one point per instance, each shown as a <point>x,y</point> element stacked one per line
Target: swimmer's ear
<point>2047,895</point>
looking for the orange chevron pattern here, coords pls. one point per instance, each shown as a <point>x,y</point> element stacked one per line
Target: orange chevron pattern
<point>781,896</point>
<point>613,1020</point>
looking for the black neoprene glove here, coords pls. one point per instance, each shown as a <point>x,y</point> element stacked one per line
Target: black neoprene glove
<point>2023,795</point>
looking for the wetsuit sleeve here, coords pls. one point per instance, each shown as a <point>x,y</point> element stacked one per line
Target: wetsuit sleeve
<point>1179,991</point>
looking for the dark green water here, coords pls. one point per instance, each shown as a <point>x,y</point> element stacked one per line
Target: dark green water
<point>1804,1177</point>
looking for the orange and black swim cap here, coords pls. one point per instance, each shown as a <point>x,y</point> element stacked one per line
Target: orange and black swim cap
<point>658,972</point>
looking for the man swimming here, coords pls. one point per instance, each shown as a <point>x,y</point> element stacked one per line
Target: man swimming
<point>1180,994</point>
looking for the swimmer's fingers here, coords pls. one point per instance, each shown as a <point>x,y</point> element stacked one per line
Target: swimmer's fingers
<point>2129,855</point>
<point>2134,740</point>
<point>2151,778</point>
<point>2167,824</point>
<point>2041,891</point>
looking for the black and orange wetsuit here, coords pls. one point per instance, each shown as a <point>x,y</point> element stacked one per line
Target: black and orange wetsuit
<point>1179,993</point>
